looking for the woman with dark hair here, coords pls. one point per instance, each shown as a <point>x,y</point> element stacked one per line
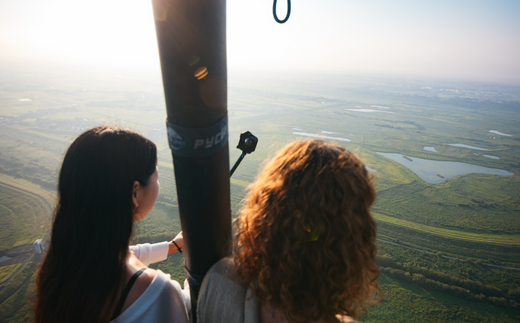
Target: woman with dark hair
<point>108,180</point>
<point>304,248</point>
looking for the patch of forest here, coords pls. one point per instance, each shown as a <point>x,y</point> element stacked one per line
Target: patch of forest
<point>489,253</point>
<point>491,207</point>
<point>469,279</point>
<point>32,171</point>
<point>405,302</point>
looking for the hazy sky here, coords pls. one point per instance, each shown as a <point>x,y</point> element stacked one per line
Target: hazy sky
<point>456,39</point>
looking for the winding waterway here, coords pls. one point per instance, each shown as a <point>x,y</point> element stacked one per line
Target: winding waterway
<point>436,171</point>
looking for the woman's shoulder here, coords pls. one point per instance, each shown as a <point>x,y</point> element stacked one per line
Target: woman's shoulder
<point>219,278</point>
<point>221,299</point>
<point>164,282</point>
<point>224,267</point>
<point>168,291</point>
<point>162,301</point>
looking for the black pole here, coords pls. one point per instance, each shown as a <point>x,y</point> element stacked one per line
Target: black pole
<point>239,160</point>
<point>191,36</point>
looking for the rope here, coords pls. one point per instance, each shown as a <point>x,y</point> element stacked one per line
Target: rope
<point>288,12</point>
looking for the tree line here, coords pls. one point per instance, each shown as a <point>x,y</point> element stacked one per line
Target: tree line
<point>461,287</point>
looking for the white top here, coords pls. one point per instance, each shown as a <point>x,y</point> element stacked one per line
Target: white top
<point>163,300</point>
<point>222,300</point>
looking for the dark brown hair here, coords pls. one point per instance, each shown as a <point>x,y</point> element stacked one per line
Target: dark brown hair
<point>82,273</point>
<point>306,240</point>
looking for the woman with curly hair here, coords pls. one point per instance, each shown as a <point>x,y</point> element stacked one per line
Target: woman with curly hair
<point>305,247</point>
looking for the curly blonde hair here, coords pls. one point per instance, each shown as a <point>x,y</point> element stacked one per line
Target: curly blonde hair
<point>305,239</point>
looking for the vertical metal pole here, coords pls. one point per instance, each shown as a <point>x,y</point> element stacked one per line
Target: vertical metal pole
<point>191,37</point>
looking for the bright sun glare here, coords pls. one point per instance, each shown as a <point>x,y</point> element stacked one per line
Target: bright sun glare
<point>120,31</point>
<point>403,37</point>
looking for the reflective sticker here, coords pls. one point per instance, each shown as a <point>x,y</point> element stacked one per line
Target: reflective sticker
<point>197,142</point>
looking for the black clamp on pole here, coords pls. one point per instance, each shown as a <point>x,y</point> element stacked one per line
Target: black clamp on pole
<point>247,144</point>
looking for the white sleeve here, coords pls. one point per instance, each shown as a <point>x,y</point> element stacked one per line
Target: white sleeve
<point>150,253</point>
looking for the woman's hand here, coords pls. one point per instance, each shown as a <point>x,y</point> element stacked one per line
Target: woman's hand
<point>172,248</point>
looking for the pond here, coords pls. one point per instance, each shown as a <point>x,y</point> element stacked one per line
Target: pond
<point>330,132</point>
<point>436,171</point>
<point>428,148</point>
<point>368,110</point>
<point>467,146</point>
<point>4,258</point>
<point>320,136</point>
<point>500,133</point>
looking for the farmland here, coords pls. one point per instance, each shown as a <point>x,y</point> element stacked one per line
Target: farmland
<point>471,217</point>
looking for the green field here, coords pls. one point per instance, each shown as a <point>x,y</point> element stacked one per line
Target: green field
<point>408,302</point>
<point>472,216</point>
<point>8,232</point>
<point>7,271</point>
<point>16,299</point>
<point>506,239</point>
<point>24,217</point>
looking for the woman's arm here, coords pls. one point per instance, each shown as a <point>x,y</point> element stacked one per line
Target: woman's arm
<point>152,253</point>
<point>177,244</point>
